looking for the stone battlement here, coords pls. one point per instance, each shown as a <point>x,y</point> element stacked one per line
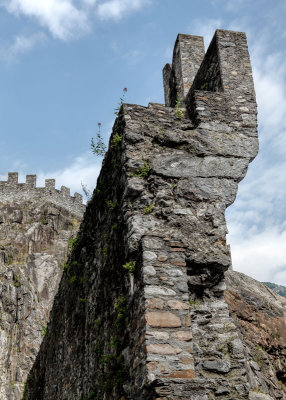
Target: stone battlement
<point>13,190</point>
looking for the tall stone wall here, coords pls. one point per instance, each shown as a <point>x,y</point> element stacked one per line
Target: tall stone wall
<point>140,311</point>
<point>34,235</point>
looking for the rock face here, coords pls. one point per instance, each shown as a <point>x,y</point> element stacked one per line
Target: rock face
<point>259,313</point>
<point>34,233</point>
<point>140,311</point>
<point>279,289</point>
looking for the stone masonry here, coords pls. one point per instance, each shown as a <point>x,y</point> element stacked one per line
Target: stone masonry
<point>11,190</point>
<point>140,311</point>
<point>36,225</point>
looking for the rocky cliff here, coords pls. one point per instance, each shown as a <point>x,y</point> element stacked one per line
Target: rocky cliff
<point>279,289</point>
<point>260,315</point>
<point>140,311</point>
<point>35,230</point>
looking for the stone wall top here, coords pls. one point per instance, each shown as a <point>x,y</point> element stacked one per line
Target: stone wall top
<point>178,77</point>
<point>224,68</point>
<point>13,190</point>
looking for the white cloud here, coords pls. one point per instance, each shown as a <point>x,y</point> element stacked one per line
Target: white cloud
<point>84,169</point>
<point>61,17</point>
<point>116,9</point>
<point>22,44</point>
<point>69,19</point>
<point>269,77</point>
<point>257,220</point>
<point>261,254</point>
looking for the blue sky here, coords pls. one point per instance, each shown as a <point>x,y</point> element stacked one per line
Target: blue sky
<point>64,63</point>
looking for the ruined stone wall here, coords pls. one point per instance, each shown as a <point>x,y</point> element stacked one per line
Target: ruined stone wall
<point>140,312</point>
<point>34,236</point>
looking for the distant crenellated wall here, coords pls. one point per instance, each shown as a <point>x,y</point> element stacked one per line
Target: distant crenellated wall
<point>11,190</point>
<point>36,227</point>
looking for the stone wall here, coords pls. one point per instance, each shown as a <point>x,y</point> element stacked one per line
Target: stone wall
<point>34,236</point>
<point>11,190</point>
<point>140,312</point>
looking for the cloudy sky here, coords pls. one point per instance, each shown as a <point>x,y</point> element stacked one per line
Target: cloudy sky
<point>64,63</point>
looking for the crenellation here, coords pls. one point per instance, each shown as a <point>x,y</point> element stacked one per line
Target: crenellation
<point>31,180</point>
<point>13,178</point>
<point>12,190</point>
<point>178,76</point>
<point>167,73</point>
<point>77,198</point>
<point>65,191</point>
<point>50,184</point>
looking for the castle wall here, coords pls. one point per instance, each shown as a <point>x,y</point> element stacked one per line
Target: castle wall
<point>140,311</point>
<point>11,190</point>
<point>34,237</point>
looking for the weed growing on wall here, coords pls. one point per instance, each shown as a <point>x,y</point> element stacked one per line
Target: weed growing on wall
<point>97,145</point>
<point>121,101</point>
<point>143,172</point>
<point>149,209</point>
<point>178,108</point>
<point>130,266</point>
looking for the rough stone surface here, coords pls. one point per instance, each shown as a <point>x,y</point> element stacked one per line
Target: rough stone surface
<point>259,315</point>
<point>159,206</point>
<point>34,234</point>
<point>11,190</point>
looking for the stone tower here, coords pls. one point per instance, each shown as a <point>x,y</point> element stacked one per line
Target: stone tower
<point>140,312</point>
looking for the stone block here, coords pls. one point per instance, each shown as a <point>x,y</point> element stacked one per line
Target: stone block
<point>165,349</point>
<point>163,319</point>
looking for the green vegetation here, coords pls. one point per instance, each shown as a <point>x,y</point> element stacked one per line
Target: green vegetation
<point>97,323</point>
<point>10,258</point>
<point>104,250</point>
<point>194,303</point>
<point>178,108</point>
<point>205,86</point>
<point>114,227</point>
<point>116,140</point>
<point>149,209</point>
<point>111,204</point>
<point>43,329</point>
<point>97,146</point>
<point>120,309</point>
<point>121,101</point>
<point>66,266</point>
<point>143,172</point>
<point>84,279</point>
<point>73,243</point>
<point>44,221</point>
<point>16,281</point>
<point>130,266</point>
